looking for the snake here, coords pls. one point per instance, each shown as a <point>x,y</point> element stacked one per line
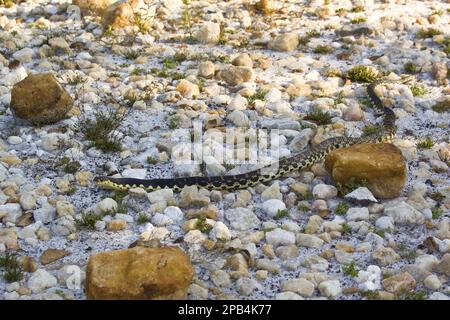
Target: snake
<point>298,162</point>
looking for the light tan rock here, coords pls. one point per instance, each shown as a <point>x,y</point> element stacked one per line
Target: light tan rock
<point>93,6</point>
<point>399,282</point>
<point>139,273</point>
<point>51,255</point>
<point>382,166</point>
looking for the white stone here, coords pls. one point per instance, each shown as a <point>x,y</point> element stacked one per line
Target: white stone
<point>15,76</point>
<point>160,195</point>
<point>273,206</point>
<point>432,282</point>
<point>438,296</point>
<point>330,288</point>
<point>361,194</point>
<point>238,103</point>
<point>242,219</point>
<point>239,118</point>
<point>10,212</point>
<point>27,201</point>
<point>404,213</point>
<point>161,220</point>
<point>246,286</point>
<point>370,279</point>
<point>174,213</point>
<point>309,240</point>
<point>209,33</point>
<point>280,237</point>
<point>14,140</point>
<point>301,286</point>
<point>41,280</point>
<point>24,55</point>
<point>288,296</point>
<point>221,279</point>
<point>100,225</point>
<point>385,223</point>
<point>272,192</point>
<point>213,166</point>
<point>53,141</point>
<point>134,173</point>
<point>107,205</point>
<point>71,276</point>
<point>220,232</point>
<point>357,214</point>
<point>324,191</point>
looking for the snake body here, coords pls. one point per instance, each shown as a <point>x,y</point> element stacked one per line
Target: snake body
<point>285,165</point>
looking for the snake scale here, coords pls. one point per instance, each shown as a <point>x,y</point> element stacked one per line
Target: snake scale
<point>295,163</point>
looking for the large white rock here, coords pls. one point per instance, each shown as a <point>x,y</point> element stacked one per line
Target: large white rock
<point>273,206</point>
<point>10,212</point>
<point>357,214</point>
<point>41,280</point>
<point>24,55</point>
<point>107,205</point>
<point>324,191</point>
<point>220,232</point>
<point>160,195</point>
<point>404,213</point>
<point>174,213</point>
<point>385,223</point>
<point>280,237</point>
<point>272,192</point>
<point>301,286</point>
<point>209,33</point>
<point>330,288</point>
<point>242,219</point>
<point>309,240</point>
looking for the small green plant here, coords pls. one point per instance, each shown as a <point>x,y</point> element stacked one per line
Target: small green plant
<point>202,224</point>
<point>365,103</point>
<point>341,208</point>
<point>76,79</point>
<point>101,130</point>
<point>428,33</point>
<point>370,130</point>
<point>142,218</point>
<point>340,98</point>
<point>72,190</point>
<point>363,74</point>
<point>350,270</point>
<point>259,95</point>
<point>405,252</point>
<point>323,49</point>
<point>436,212</point>
<point>346,228</point>
<point>138,71</point>
<point>341,11</point>
<point>303,207</point>
<point>410,67</point>
<point>358,20</point>
<point>426,143</point>
<point>62,294</point>
<point>370,295</point>
<point>319,117</point>
<point>131,54</point>
<point>187,24</point>
<point>151,160</point>
<point>114,75</point>
<point>142,23</point>
<point>350,185</point>
<point>281,214</point>
<point>89,218</point>
<point>174,121</point>
<point>358,9</point>
<point>418,90</point>
<point>411,295</point>
<point>381,232</point>
<point>12,269</point>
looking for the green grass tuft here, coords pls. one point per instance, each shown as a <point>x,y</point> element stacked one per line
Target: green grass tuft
<point>202,225</point>
<point>428,33</point>
<point>323,49</point>
<point>281,214</point>
<point>350,270</point>
<point>436,212</point>
<point>341,208</point>
<point>13,271</point>
<point>426,143</point>
<point>363,74</point>
<point>418,90</point>
<point>349,186</point>
<point>259,95</point>
<point>319,117</point>
<point>358,20</point>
